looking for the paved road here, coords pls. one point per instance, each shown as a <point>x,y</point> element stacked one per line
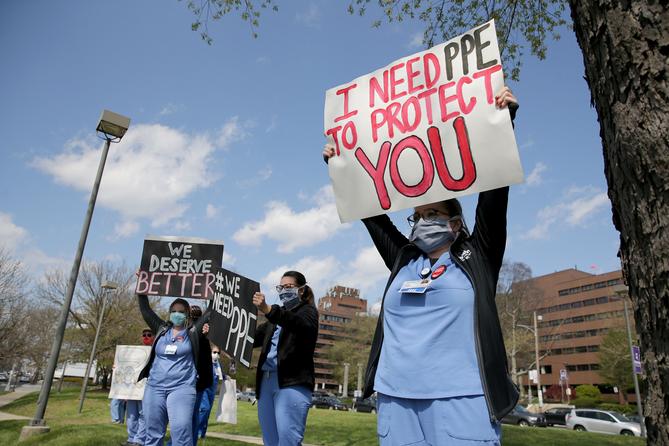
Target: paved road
<point>15,395</point>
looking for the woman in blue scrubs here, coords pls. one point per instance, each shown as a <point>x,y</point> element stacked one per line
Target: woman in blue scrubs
<point>437,360</point>
<point>172,371</point>
<point>285,374</point>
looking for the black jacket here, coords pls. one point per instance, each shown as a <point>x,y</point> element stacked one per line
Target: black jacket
<point>480,256</point>
<point>295,352</point>
<point>197,340</point>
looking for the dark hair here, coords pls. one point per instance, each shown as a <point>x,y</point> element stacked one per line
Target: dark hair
<point>195,312</point>
<point>454,209</point>
<point>181,301</point>
<point>307,295</point>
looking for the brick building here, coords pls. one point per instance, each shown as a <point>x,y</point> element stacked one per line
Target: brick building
<point>338,306</point>
<point>578,309</point>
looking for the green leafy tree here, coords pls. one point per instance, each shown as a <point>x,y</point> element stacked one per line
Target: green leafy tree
<point>615,362</point>
<point>587,395</point>
<point>353,348</point>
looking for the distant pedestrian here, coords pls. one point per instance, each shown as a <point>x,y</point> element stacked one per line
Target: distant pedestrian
<point>135,416</point>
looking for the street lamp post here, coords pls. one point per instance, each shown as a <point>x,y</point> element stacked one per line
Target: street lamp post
<point>536,353</point>
<point>535,331</point>
<point>112,126</point>
<point>107,287</point>
<point>623,292</point>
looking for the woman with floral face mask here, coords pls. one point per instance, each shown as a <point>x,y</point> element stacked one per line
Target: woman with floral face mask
<point>437,360</point>
<point>173,371</point>
<point>285,374</point>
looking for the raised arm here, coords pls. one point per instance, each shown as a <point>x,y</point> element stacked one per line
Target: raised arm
<point>490,226</point>
<point>150,317</point>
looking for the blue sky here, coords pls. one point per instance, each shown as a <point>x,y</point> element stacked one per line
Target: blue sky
<point>225,140</point>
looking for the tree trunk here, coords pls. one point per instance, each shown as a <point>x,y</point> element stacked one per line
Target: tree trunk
<point>625,47</point>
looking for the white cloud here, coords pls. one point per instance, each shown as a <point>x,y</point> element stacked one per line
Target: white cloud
<point>181,226</point>
<point>211,211</point>
<point>273,123</point>
<point>311,17</point>
<point>169,109</point>
<point>527,144</point>
<point>318,271</point>
<point>365,271</point>
<point>232,131</point>
<point>416,40</point>
<point>11,235</point>
<point>575,208</point>
<point>125,229</point>
<point>291,229</point>
<point>261,175</point>
<point>228,260</point>
<point>534,178</point>
<point>148,175</point>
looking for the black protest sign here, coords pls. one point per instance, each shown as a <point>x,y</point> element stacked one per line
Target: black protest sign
<point>182,267</point>
<point>232,323</point>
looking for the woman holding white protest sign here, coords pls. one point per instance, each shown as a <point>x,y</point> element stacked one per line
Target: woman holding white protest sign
<point>174,372</point>
<point>285,374</point>
<point>437,360</point>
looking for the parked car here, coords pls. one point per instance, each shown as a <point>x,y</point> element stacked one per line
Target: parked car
<point>604,421</point>
<point>328,402</point>
<point>364,405</point>
<point>523,417</point>
<point>557,415</point>
<point>246,396</point>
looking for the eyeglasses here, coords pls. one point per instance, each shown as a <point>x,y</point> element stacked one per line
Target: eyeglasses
<point>147,335</point>
<point>429,216</point>
<point>280,288</point>
<point>214,353</point>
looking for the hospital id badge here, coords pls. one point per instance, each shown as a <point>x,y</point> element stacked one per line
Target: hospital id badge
<point>415,286</point>
<point>171,349</point>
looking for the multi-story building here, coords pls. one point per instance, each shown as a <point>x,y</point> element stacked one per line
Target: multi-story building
<point>338,306</point>
<point>577,309</point>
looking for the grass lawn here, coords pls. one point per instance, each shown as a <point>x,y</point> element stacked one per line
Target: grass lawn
<point>324,427</point>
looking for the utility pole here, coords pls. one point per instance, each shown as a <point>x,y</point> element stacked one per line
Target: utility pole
<point>344,392</point>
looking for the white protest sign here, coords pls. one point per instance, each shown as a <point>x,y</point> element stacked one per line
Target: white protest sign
<point>422,129</point>
<point>129,361</point>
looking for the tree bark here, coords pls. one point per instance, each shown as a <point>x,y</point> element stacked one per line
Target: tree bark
<point>625,47</point>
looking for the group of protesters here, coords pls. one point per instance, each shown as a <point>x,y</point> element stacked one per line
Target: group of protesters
<point>437,361</point>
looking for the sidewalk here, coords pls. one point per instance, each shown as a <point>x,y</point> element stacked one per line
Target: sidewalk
<point>13,396</point>
<point>240,438</point>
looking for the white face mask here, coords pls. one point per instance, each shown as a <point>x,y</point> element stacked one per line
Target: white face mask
<point>215,356</point>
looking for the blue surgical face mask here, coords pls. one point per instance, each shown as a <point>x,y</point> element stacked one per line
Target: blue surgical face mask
<point>177,318</point>
<point>290,298</point>
<point>431,235</point>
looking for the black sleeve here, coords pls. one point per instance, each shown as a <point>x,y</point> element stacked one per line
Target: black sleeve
<point>259,336</point>
<point>204,319</point>
<point>305,319</point>
<point>386,237</point>
<point>150,317</point>
<point>490,227</point>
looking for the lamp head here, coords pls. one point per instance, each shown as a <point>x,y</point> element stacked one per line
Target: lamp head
<point>112,124</point>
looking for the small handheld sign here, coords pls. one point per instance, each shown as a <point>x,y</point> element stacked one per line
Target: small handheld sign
<point>233,317</point>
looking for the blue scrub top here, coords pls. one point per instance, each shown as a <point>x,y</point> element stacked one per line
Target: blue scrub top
<point>270,364</point>
<point>428,347</point>
<point>172,370</point>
